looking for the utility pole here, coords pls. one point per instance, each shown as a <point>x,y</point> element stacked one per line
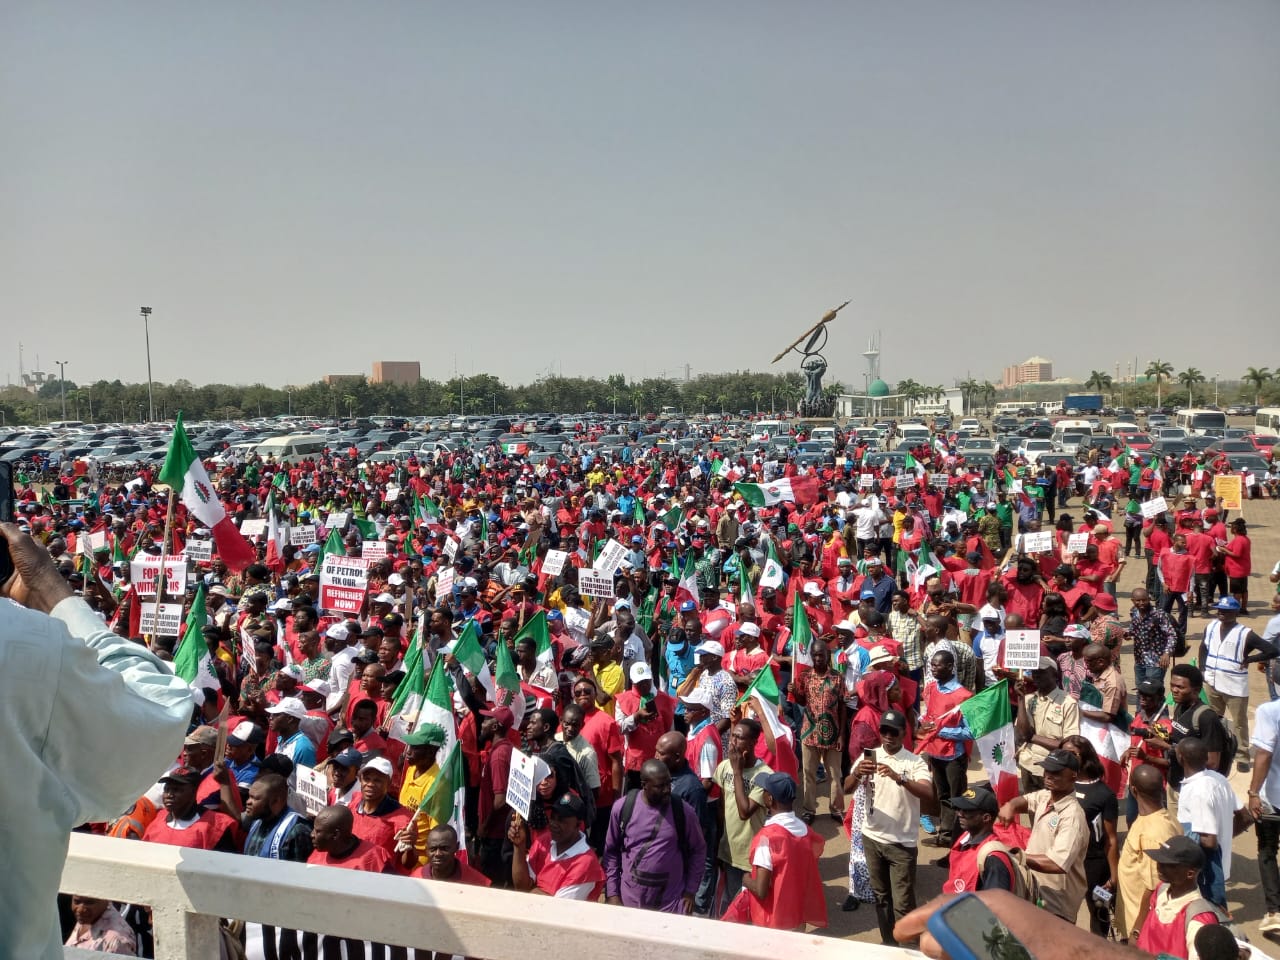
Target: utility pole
<point>146,330</point>
<point>62,384</point>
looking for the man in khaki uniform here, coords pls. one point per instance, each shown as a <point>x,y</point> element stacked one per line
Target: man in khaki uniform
<point>1048,715</point>
<point>1059,835</point>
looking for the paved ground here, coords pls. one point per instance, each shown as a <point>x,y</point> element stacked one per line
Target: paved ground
<point>1243,889</point>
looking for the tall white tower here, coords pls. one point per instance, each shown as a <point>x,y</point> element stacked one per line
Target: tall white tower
<point>872,354</point>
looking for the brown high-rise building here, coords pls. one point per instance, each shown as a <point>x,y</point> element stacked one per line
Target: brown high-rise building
<point>396,371</point>
<point>1034,370</point>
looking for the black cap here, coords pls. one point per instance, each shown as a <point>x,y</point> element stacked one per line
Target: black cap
<point>1152,688</point>
<point>185,775</point>
<point>350,757</point>
<point>975,798</point>
<point>1060,760</point>
<point>341,736</point>
<point>1180,850</point>
<point>569,806</point>
<point>894,721</point>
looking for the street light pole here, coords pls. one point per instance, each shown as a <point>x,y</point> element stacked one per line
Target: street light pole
<point>62,385</point>
<point>146,330</point>
<point>1215,389</point>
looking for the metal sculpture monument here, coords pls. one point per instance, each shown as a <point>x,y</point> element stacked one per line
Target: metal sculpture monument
<point>814,365</point>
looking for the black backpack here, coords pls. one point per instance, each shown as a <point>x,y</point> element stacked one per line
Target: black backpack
<point>1231,742</point>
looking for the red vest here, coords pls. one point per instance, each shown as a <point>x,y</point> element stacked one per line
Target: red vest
<point>965,873</point>
<point>555,875</point>
<point>1171,938</point>
<point>693,750</point>
<point>380,831</point>
<point>796,893</point>
<point>936,705</point>
<point>366,857</point>
<point>204,834</point>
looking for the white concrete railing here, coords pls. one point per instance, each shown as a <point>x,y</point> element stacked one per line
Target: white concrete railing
<point>188,890</point>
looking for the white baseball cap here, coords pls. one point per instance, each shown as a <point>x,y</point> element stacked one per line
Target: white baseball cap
<point>290,706</point>
<point>640,672</point>
<point>750,629</point>
<point>381,764</point>
<point>710,647</point>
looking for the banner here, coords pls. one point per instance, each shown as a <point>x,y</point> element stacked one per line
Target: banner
<point>1228,490</point>
<point>144,568</point>
<point>343,583</point>
<point>170,620</point>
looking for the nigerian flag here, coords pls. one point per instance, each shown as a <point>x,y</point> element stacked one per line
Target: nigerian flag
<point>990,720</point>
<point>507,680</point>
<point>801,633</point>
<point>192,661</point>
<point>536,630</point>
<point>672,518</point>
<point>772,575</point>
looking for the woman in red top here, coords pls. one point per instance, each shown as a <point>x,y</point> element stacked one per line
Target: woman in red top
<point>1238,562</point>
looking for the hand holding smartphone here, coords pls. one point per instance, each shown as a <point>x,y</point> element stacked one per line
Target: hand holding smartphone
<point>967,930</point>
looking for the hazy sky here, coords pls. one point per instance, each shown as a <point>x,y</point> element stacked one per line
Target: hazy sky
<point>301,188</point>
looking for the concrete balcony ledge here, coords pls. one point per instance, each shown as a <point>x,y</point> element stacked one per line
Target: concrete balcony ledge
<point>189,890</point>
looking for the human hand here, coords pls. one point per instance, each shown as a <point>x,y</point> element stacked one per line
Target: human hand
<point>1006,814</point>
<point>886,771</point>
<point>614,901</point>
<point>865,768</point>
<point>1164,661</point>
<point>36,582</point>
<point>222,773</point>
<point>1254,806</point>
<point>518,833</point>
<point>1045,936</point>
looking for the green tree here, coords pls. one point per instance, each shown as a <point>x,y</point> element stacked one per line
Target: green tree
<point>1159,370</point>
<point>1098,380</point>
<point>1258,376</point>
<point>1189,378</point>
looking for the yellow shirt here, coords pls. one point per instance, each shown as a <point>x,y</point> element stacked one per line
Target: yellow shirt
<point>1136,873</point>
<point>609,677</point>
<point>415,787</point>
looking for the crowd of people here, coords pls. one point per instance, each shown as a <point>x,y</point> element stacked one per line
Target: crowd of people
<point>760,662</point>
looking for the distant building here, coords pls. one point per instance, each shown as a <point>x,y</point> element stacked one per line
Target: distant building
<point>1034,370</point>
<point>336,379</point>
<point>396,371</point>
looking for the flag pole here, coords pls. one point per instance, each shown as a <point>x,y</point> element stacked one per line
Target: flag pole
<point>161,582</point>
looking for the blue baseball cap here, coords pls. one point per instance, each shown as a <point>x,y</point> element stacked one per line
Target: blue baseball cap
<point>636,538</point>
<point>1227,603</point>
<point>688,606</point>
<point>554,615</point>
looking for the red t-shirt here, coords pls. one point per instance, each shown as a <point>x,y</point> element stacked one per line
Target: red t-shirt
<point>366,856</point>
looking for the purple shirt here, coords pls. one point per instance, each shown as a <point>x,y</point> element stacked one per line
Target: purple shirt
<point>645,866</point>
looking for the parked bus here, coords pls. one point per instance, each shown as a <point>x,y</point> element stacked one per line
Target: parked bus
<point>1267,421</point>
<point>1010,408</point>
<point>1200,422</point>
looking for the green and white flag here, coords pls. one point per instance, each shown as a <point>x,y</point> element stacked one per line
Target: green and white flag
<point>192,661</point>
<point>772,575</point>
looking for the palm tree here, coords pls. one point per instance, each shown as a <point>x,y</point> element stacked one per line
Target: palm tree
<point>1189,378</point>
<point>988,391</point>
<point>1159,370</point>
<point>1098,380</point>
<point>757,395</point>
<point>967,389</point>
<point>1257,376</point>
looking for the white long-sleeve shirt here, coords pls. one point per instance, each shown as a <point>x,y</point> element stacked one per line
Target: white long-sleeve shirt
<point>90,721</point>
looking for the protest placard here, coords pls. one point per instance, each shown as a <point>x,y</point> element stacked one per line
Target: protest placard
<point>143,570</point>
<point>302,535</point>
<point>343,582</point>
<point>1078,543</point>
<point>1154,507</point>
<point>866,481</point>
<point>526,773</point>
<point>392,495</point>
<point>905,481</point>
<point>373,549</point>
<point>337,520</point>
<point>450,548</point>
<point>593,584</point>
<point>313,788</point>
<point>170,620</point>
<point>610,556</point>
<point>444,581</point>
<point>939,481</point>
<point>1021,650</point>
<point>1229,491</point>
<point>93,542</point>
<point>553,562</point>
<point>201,551</point>
<point>1037,542</point>
<point>253,528</point>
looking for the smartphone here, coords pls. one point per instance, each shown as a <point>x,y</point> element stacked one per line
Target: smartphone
<point>967,930</point>
<point>869,754</point>
<point>6,516</point>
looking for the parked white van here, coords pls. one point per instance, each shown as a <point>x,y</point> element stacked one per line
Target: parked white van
<point>293,448</point>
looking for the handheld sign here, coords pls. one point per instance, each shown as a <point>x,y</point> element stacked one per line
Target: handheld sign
<point>253,528</point>
<point>302,535</point>
<point>312,788</point>
<point>1021,650</point>
<point>1154,507</point>
<point>905,481</point>
<point>373,549</point>
<point>1228,490</point>
<point>444,581</point>
<point>939,481</point>
<point>170,619</point>
<point>593,584</point>
<point>866,481</point>
<point>526,773</point>
<point>145,569</point>
<point>553,562</point>
<point>1078,543</point>
<point>1037,542</point>
<point>611,555</point>
<point>450,548</point>
<point>201,551</point>
<point>343,582</point>
<point>336,521</point>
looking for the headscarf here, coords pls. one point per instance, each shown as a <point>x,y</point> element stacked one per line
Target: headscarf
<point>873,699</point>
